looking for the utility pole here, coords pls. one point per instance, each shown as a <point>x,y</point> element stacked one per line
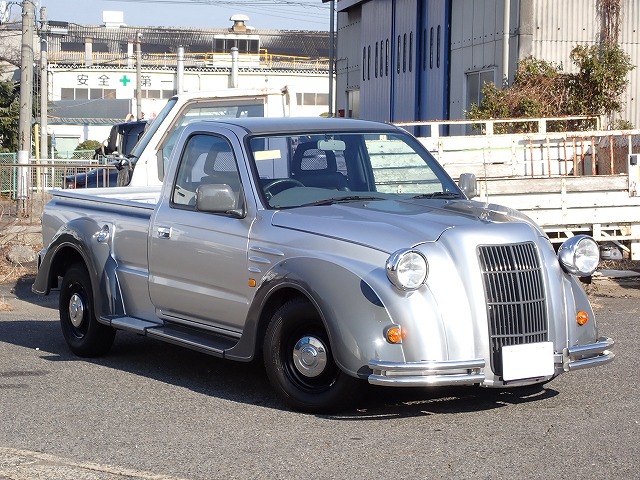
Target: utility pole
<point>44,86</point>
<point>331,56</point>
<point>26,99</point>
<point>139,75</point>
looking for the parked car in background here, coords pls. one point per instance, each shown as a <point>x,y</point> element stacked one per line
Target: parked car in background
<point>122,138</point>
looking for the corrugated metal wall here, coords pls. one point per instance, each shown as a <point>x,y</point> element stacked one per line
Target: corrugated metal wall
<point>630,41</point>
<point>433,56</point>
<point>476,45</point>
<point>375,52</point>
<point>348,61</point>
<point>561,25</point>
<point>405,69</point>
<point>546,29</point>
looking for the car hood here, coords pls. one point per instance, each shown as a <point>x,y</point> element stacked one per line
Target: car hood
<point>392,224</point>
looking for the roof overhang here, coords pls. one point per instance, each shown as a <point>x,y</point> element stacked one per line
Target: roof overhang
<point>343,5</point>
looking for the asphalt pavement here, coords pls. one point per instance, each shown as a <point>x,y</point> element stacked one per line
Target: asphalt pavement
<point>149,410</point>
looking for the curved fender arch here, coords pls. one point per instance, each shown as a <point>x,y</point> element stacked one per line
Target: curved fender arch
<point>353,314</point>
<point>80,235</point>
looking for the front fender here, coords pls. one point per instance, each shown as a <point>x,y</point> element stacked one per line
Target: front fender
<point>77,241</point>
<point>354,316</point>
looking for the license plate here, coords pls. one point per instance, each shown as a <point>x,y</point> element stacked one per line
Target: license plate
<point>530,360</point>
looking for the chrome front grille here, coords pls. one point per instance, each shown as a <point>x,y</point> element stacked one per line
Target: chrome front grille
<point>515,298</point>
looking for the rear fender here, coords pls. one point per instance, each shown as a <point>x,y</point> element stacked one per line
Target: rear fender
<point>79,240</point>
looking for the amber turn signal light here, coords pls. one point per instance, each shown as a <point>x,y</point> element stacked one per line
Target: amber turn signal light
<point>582,318</point>
<point>394,334</point>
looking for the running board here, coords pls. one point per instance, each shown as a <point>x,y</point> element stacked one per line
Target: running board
<point>203,341</point>
<point>130,324</point>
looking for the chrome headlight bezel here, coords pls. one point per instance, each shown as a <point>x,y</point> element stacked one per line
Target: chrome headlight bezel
<point>407,269</point>
<point>579,255</point>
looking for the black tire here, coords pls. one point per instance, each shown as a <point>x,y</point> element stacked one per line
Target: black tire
<point>296,342</point>
<point>85,336</point>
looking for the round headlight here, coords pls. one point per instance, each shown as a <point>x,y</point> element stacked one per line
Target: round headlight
<point>407,269</point>
<point>579,255</point>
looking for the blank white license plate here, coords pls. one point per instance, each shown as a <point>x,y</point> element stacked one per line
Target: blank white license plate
<point>527,361</point>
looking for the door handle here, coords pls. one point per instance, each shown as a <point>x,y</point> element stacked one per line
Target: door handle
<point>164,232</point>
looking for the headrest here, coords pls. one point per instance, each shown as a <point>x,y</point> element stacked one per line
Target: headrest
<point>309,159</point>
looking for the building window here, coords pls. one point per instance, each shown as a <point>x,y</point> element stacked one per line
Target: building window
<point>369,62</point>
<point>410,50</point>
<point>375,70</point>
<point>67,94</point>
<point>424,49</point>
<point>157,94</point>
<point>381,59</point>
<point>398,55</point>
<point>386,58</point>
<point>404,53</point>
<point>312,99</point>
<point>475,83</point>
<point>431,48</point>
<point>438,50</point>
<point>364,63</point>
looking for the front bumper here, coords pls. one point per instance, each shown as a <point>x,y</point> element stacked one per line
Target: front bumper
<point>471,372</point>
<point>591,355</point>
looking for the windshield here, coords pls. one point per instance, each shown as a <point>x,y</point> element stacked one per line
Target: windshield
<point>301,170</point>
<point>153,127</point>
<point>212,109</point>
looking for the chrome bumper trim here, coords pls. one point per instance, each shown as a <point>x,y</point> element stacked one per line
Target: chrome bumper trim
<point>427,374</point>
<point>598,354</point>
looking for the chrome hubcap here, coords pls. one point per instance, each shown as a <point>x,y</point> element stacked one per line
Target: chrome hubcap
<point>76,310</point>
<point>310,356</point>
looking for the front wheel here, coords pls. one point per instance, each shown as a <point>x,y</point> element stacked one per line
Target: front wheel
<point>299,362</point>
<point>85,336</point>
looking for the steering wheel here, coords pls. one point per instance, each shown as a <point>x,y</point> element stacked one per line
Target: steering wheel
<point>280,182</point>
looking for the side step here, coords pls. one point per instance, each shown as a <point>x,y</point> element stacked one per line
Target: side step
<point>203,341</point>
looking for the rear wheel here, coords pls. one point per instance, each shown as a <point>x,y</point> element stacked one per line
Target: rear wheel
<point>300,364</point>
<point>84,335</point>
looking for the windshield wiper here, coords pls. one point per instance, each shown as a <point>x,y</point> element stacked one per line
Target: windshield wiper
<point>334,200</point>
<point>444,195</point>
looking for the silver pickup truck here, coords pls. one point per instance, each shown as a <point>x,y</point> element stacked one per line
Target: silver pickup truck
<point>337,250</point>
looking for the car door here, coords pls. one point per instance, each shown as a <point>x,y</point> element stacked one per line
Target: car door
<point>198,260</point>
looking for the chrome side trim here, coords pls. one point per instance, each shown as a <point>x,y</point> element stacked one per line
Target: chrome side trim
<point>597,354</point>
<point>416,374</point>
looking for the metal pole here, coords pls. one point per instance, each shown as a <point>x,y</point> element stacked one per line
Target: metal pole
<point>139,76</point>
<point>180,71</point>
<point>26,99</point>
<point>44,87</point>
<point>505,41</point>
<point>331,56</point>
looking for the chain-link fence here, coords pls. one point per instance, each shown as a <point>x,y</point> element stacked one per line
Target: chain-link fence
<point>23,187</point>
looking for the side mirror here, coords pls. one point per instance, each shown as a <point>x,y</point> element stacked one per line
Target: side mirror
<point>218,198</point>
<point>468,184</point>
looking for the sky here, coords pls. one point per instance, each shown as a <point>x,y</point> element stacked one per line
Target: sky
<point>263,14</point>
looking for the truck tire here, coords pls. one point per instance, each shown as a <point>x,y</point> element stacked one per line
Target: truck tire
<point>85,336</point>
<point>299,362</point>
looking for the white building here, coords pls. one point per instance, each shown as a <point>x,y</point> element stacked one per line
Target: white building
<point>92,70</point>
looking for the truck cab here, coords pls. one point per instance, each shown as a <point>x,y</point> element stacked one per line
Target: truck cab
<point>151,155</point>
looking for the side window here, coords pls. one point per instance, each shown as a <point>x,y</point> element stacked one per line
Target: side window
<point>207,160</point>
